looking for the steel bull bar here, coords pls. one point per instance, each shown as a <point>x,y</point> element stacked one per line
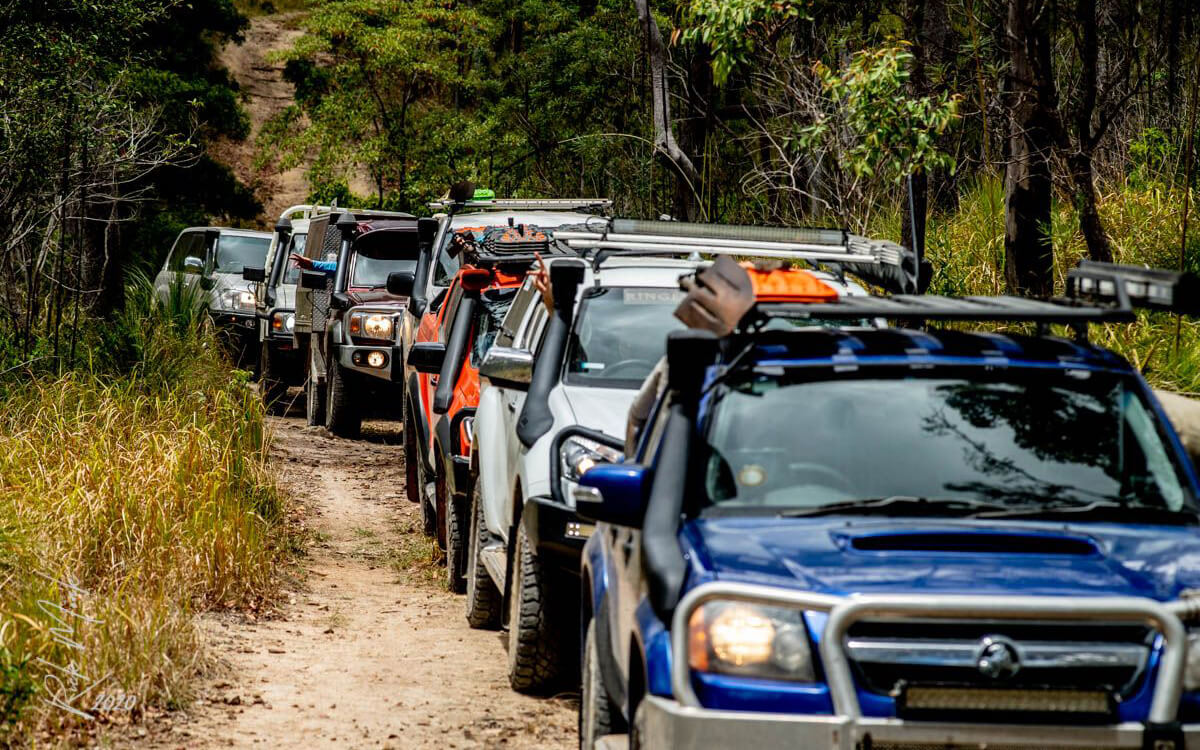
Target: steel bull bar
<point>683,722</point>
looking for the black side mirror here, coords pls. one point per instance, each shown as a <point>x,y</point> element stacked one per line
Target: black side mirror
<point>254,274</point>
<point>313,280</point>
<point>339,301</point>
<point>400,283</point>
<point>427,357</point>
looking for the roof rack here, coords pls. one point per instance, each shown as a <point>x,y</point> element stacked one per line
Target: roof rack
<point>878,261</point>
<point>1096,293</point>
<point>524,204</point>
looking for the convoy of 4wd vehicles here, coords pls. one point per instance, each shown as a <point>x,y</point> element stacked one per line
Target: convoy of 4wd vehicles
<point>735,502</point>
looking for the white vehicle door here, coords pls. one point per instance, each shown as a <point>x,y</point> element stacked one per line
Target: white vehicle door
<point>189,244</point>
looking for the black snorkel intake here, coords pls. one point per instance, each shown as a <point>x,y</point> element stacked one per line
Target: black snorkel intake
<point>283,233</point>
<point>536,419</point>
<point>456,350</point>
<point>427,232</point>
<point>689,353</point>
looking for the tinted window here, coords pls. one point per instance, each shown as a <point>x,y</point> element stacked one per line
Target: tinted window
<point>371,264</point>
<point>620,334</point>
<point>494,304</point>
<point>189,243</point>
<point>235,252</point>
<point>1012,439</point>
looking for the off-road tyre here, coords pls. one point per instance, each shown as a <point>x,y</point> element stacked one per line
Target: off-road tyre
<point>534,639</point>
<point>483,596</point>
<point>272,388</point>
<point>597,714</point>
<point>456,545</point>
<point>314,396</point>
<point>412,456</point>
<point>342,414</point>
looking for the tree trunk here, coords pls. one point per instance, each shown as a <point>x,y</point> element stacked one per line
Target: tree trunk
<point>915,200</point>
<point>1090,224</point>
<point>1029,254</point>
<point>664,137</point>
<point>1079,156</point>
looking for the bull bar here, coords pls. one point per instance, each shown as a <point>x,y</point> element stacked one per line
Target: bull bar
<point>685,723</point>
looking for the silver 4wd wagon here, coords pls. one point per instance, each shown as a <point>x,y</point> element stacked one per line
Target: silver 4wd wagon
<point>349,310</point>
<point>205,264</point>
<point>281,363</point>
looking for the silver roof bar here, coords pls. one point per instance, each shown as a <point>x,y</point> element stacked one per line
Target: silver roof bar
<point>525,204</point>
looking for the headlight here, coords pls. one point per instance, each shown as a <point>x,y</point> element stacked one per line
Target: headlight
<point>239,300</point>
<point>283,322</point>
<point>1191,674</point>
<point>578,454</point>
<point>750,640</point>
<point>368,325</point>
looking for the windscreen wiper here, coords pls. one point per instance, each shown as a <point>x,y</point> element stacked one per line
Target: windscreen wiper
<point>1099,510</point>
<point>900,505</point>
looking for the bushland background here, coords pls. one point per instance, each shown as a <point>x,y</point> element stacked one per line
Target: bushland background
<point>1006,138</point>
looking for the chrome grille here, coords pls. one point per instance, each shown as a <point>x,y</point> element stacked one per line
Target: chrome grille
<point>887,656</point>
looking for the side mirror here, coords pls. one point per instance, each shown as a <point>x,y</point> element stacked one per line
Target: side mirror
<point>312,280</point>
<point>507,367</point>
<point>613,493</point>
<point>475,279</point>
<point>339,301</point>
<point>400,283</point>
<point>254,274</point>
<point>192,264</point>
<point>427,357</point>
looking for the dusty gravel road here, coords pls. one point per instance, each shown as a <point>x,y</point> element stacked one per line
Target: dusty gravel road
<point>368,649</point>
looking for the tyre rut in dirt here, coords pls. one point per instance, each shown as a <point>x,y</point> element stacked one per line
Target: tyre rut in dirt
<point>273,389</point>
<point>534,638</point>
<point>483,597</point>
<point>342,415</point>
<point>456,545</point>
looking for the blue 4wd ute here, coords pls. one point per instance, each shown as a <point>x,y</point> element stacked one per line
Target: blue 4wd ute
<point>900,538</point>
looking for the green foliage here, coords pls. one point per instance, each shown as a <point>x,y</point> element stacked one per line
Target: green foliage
<point>892,133</point>
<point>732,28</point>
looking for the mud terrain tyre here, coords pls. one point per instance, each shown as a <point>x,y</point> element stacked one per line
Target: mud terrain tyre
<point>342,415</point>
<point>483,597</point>
<point>273,389</point>
<point>456,545</point>
<point>314,395</point>
<point>597,714</point>
<point>534,639</point>
<point>412,488</point>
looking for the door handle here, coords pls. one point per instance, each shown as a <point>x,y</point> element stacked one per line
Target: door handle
<point>512,406</point>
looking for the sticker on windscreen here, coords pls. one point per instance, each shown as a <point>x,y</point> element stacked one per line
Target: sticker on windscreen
<point>652,296</point>
<point>591,365</point>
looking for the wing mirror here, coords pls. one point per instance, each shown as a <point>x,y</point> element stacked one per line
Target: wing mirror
<point>192,264</point>
<point>427,357</point>
<point>400,283</point>
<point>613,493</point>
<point>506,367</point>
<point>475,279</point>
<point>313,280</point>
<point>339,301</point>
<point>254,274</point>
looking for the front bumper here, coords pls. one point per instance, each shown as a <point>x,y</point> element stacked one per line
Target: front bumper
<point>556,532</point>
<point>354,357</point>
<point>234,321</point>
<point>667,723</point>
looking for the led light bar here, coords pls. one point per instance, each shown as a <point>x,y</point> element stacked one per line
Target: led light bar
<point>1149,288</point>
<point>919,698</point>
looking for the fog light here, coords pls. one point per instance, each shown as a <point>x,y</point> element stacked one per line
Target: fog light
<point>577,530</point>
<point>1039,701</point>
<point>376,359</point>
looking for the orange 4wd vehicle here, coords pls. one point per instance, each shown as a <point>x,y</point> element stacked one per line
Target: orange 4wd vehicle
<point>449,348</point>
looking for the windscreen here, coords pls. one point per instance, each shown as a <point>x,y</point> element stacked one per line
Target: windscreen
<point>235,252</point>
<point>373,262</point>
<point>620,334</point>
<point>1047,438</point>
<point>296,245</point>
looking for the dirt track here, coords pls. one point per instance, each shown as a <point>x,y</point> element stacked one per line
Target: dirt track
<point>369,650</point>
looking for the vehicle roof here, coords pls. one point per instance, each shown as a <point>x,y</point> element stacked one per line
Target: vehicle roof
<point>500,218</point>
<point>842,346</point>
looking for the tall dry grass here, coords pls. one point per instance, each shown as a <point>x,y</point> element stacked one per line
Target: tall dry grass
<point>128,503</point>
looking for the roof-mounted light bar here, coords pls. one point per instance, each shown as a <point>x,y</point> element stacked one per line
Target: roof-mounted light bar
<point>524,204</point>
<point>1149,288</point>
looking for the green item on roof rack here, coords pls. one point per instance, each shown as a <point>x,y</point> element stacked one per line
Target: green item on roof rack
<point>484,194</point>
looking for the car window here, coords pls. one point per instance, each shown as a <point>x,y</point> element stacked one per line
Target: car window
<point>619,335</point>
<point>235,252</point>
<point>295,245</point>
<point>516,315</point>
<point>445,268</point>
<point>451,308</point>
<point>180,251</point>
<point>1013,439</point>
<point>370,267</point>
<point>493,304</point>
